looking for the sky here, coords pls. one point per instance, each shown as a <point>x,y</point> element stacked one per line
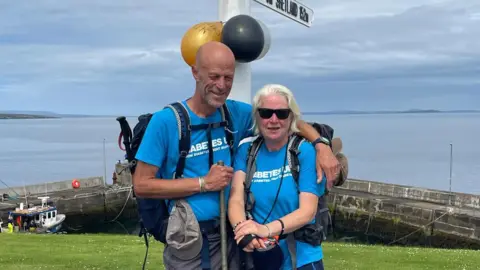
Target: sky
<point>123,56</point>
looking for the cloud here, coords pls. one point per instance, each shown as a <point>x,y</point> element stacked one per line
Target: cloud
<point>62,55</point>
<point>378,36</point>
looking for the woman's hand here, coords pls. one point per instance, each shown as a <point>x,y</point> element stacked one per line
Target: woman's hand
<point>251,227</point>
<point>254,244</point>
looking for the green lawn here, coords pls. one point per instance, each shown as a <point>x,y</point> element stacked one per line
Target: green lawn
<point>30,252</point>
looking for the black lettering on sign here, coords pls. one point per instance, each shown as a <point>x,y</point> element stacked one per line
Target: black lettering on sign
<point>288,7</point>
<point>270,2</point>
<point>304,15</point>
<point>293,10</point>
<point>280,5</point>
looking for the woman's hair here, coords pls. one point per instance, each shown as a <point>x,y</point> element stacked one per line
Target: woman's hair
<point>276,89</point>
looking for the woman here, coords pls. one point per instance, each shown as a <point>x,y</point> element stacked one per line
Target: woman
<point>281,206</point>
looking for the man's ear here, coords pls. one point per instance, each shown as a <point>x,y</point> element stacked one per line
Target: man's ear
<point>195,73</point>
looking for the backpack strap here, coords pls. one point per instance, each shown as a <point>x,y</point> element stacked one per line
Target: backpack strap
<point>226,117</point>
<point>293,152</point>
<point>184,130</point>
<point>251,168</point>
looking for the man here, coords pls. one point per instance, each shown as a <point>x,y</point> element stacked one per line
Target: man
<point>202,179</point>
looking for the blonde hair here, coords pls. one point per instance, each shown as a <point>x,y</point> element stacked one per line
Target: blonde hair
<point>277,89</point>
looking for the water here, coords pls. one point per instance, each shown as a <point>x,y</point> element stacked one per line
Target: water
<point>408,149</point>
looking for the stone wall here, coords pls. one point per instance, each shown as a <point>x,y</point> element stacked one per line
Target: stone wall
<point>50,187</point>
<point>414,193</point>
<point>392,221</point>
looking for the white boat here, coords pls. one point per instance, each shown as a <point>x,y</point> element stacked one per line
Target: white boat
<point>37,219</point>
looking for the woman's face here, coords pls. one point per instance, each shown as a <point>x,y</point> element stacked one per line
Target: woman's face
<point>274,117</point>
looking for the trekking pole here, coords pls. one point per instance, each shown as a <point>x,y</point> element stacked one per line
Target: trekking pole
<point>223,224</point>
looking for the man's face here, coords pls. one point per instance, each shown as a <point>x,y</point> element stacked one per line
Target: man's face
<point>215,80</point>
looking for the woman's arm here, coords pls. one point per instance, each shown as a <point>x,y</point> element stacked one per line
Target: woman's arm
<point>298,218</point>
<point>236,209</point>
<point>293,221</point>
<point>236,204</point>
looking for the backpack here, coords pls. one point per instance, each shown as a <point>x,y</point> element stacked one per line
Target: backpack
<point>323,219</point>
<point>153,213</point>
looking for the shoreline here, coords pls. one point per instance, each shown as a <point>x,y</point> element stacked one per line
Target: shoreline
<point>361,210</point>
<point>6,116</point>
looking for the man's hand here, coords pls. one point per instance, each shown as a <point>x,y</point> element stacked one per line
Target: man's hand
<point>218,177</point>
<point>326,161</point>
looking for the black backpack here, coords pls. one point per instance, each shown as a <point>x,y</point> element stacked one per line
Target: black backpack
<point>153,213</point>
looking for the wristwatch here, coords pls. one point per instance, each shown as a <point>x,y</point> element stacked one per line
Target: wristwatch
<point>321,140</point>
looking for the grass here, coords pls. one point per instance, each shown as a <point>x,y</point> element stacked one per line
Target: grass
<point>23,251</point>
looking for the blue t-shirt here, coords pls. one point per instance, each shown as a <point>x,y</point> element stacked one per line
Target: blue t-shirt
<point>159,147</point>
<point>265,184</point>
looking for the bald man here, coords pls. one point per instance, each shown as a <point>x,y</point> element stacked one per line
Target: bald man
<point>158,154</point>
<point>202,180</point>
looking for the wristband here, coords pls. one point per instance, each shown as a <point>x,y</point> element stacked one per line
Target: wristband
<point>283,227</point>
<point>201,182</point>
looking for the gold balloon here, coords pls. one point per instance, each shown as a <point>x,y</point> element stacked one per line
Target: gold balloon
<point>198,35</point>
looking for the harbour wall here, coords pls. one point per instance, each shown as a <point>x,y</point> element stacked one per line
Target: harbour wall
<point>415,193</point>
<point>365,211</point>
<point>51,187</point>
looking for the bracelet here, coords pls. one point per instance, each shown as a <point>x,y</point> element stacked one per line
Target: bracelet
<point>283,227</point>
<point>269,232</point>
<point>201,182</point>
<point>235,226</point>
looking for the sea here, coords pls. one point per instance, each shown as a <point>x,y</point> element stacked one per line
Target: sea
<point>430,150</point>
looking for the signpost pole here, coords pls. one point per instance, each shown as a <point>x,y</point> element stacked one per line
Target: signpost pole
<point>242,82</point>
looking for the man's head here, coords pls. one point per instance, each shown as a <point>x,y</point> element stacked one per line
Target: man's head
<point>213,72</point>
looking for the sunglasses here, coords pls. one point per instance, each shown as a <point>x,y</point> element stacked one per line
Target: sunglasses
<point>280,113</point>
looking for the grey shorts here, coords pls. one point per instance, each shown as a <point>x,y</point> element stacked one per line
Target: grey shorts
<point>171,262</point>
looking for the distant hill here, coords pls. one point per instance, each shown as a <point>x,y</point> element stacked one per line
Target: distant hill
<point>42,114</point>
<point>416,111</point>
<point>23,116</point>
<point>47,114</point>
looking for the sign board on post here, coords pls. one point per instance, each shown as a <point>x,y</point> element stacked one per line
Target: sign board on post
<point>292,9</point>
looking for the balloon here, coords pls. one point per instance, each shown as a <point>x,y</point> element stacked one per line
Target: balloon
<point>244,36</point>
<point>267,40</point>
<point>198,35</point>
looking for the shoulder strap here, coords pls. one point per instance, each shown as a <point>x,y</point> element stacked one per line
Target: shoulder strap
<point>293,151</point>
<point>251,168</point>
<point>226,117</point>
<point>183,123</point>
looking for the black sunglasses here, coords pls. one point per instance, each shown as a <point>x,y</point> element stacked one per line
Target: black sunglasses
<point>280,113</point>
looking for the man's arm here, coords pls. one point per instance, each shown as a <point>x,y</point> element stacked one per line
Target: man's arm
<point>147,185</point>
<point>151,155</point>
<point>326,161</point>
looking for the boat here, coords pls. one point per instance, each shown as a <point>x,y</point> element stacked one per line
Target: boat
<point>42,218</point>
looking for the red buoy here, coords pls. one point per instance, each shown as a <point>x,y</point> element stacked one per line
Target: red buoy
<point>75,183</point>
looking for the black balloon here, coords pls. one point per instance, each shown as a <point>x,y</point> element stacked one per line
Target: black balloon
<point>244,36</point>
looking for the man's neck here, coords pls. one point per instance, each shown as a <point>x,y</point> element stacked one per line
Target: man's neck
<point>200,107</point>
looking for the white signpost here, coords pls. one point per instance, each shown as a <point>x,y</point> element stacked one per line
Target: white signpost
<point>292,9</point>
